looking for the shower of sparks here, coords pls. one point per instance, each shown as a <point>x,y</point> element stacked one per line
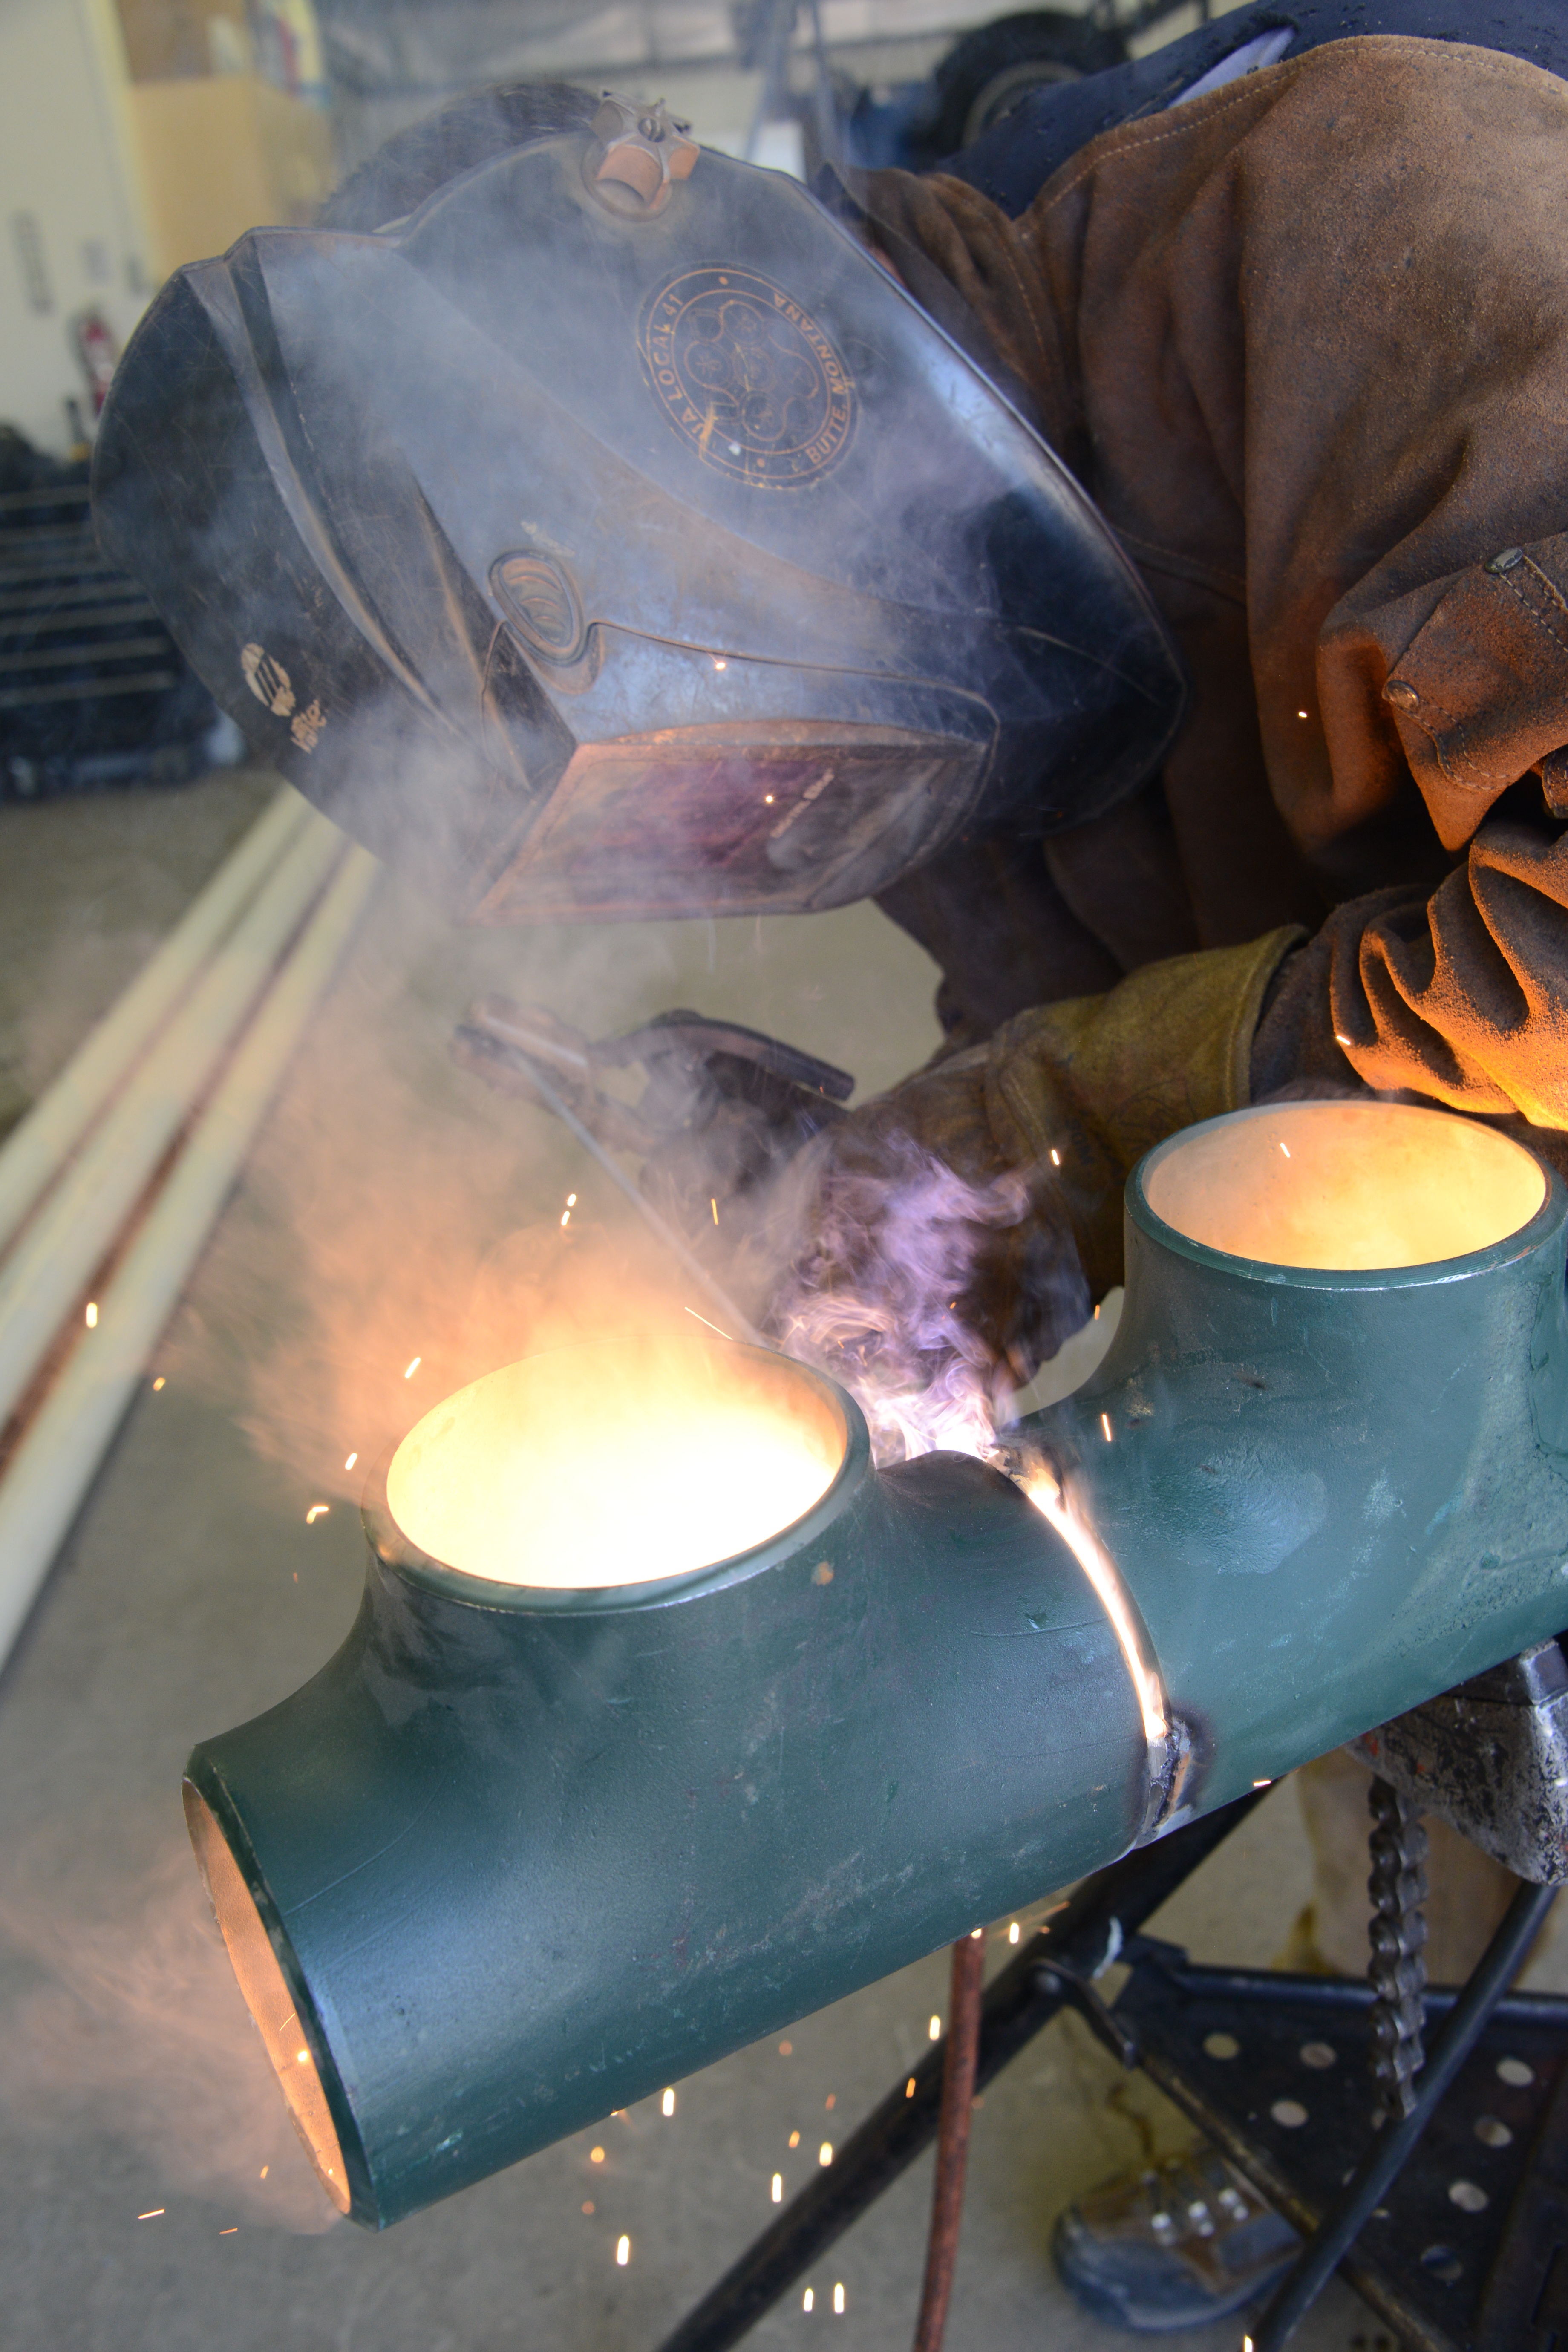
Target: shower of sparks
<point>724,1334</point>
<point>317,1511</point>
<point>1105,1425</point>
<point>351,1460</point>
<point>159,1381</point>
<point>825,2153</point>
<point>667,2105</point>
<point>795,2139</point>
<point>92,1314</point>
<point>838,2296</point>
<point>623,2251</point>
<point>778,2189</point>
<point>934,2029</point>
<point>807,2299</point>
<point>1013,1933</point>
<point>413,1368</point>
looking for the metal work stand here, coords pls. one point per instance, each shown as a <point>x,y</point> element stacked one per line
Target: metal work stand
<point>1451,2221</point>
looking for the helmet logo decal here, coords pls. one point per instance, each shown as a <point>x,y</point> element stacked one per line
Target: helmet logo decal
<point>268,680</point>
<point>747,377</point>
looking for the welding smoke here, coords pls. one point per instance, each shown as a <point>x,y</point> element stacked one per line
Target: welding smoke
<point>931,1298</point>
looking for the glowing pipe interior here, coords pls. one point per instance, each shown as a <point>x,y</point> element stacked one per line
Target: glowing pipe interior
<point>619,1463</point>
<point>1343,1185</point>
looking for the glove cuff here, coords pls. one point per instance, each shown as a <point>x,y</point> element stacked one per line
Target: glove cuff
<point>1097,1081</point>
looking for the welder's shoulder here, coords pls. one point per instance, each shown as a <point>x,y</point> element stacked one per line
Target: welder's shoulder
<point>1375,118</point>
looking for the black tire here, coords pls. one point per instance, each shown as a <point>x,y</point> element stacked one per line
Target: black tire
<point>993,69</point>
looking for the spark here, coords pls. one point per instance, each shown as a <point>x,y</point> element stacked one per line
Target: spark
<point>1300,714</point>
<point>667,2105</point>
<point>353,1457</point>
<point>1105,1425</point>
<point>795,2139</point>
<point>1263,1784</point>
<point>265,2170</point>
<point>587,2205</point>
<point>778,2189</point>
<point>92,1314</point>
<point>1055,1157</point>
<point>232,2232</point>
<point>570,1200</point>
<point>767,799</point>
<point>713,1204</point>
<point>413,1368</point>
<point>786,2049</point>
<point>153,2215</point>
<point>909,2088</point>
<point>934,2029</point>
<point>623,2251</point>
<point>825,2153</point>
<point>807,2299</point>
<point>832,2101</point>
<point>565,1217</point>
<point>1286,1149</point>
<point>1096,1314</point>
<point>317,1511</point>
<point>159,1381</point>
<point>721,665</point>
<point>838,2296</point>
<point>1339,1040</point>
<point>1013,1933</point>
<point>712,1326</point>
<point>596,2156</point>
<point>301,2057</point>
<point>975,1934</point>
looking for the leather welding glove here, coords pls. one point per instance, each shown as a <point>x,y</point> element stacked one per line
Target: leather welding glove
<point>962,1225</point>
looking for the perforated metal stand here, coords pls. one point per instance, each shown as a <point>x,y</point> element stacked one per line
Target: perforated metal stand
<point>1463,2247</point>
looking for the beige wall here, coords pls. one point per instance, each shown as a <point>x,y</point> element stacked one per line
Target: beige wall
<point>219,155</point>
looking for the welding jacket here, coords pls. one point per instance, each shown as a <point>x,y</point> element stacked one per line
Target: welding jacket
<point>1305,341</point>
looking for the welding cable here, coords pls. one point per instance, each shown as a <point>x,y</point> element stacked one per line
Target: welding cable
<point>49,1473</point>
<point>959,2063</point>
<point>42,1281</point>
<point>38,1146</point>
<point>740,1329</point>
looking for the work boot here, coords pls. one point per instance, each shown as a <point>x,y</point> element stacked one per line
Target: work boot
<point>1185,2243</point>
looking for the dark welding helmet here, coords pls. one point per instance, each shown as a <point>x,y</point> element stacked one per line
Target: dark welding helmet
<point>612,536</point>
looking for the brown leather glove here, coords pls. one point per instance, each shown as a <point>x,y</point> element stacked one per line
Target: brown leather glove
<point>962,1225</point>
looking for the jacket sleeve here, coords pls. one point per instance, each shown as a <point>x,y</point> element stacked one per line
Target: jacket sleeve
<point>1309,337</point>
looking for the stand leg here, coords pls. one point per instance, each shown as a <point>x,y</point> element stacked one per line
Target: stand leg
<point>1086,1935</point>
<point>1342,2224</point>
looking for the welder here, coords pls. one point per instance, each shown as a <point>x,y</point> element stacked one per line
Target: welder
<point>1249,777</point>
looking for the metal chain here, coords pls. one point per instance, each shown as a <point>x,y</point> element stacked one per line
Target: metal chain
<point>1397,1969</point>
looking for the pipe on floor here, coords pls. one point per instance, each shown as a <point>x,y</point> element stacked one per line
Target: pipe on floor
<point>42,1281</point>
<point>53,1466</point>
<point>38,1146</point>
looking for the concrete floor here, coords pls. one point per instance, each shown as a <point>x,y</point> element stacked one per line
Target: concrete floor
<point>391,1209</point>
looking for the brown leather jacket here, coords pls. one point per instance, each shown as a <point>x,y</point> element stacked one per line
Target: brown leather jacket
<point>1306,343</point>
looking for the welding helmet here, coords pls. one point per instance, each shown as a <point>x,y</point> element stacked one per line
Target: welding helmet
<point>612,536</point>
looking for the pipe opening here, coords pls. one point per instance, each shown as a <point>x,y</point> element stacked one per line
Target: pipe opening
<point>1345,1186</point>
<point>621,1461</point>
<point>267,1996</point>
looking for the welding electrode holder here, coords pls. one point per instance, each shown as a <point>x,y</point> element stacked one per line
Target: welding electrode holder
<point>525,1856</point>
